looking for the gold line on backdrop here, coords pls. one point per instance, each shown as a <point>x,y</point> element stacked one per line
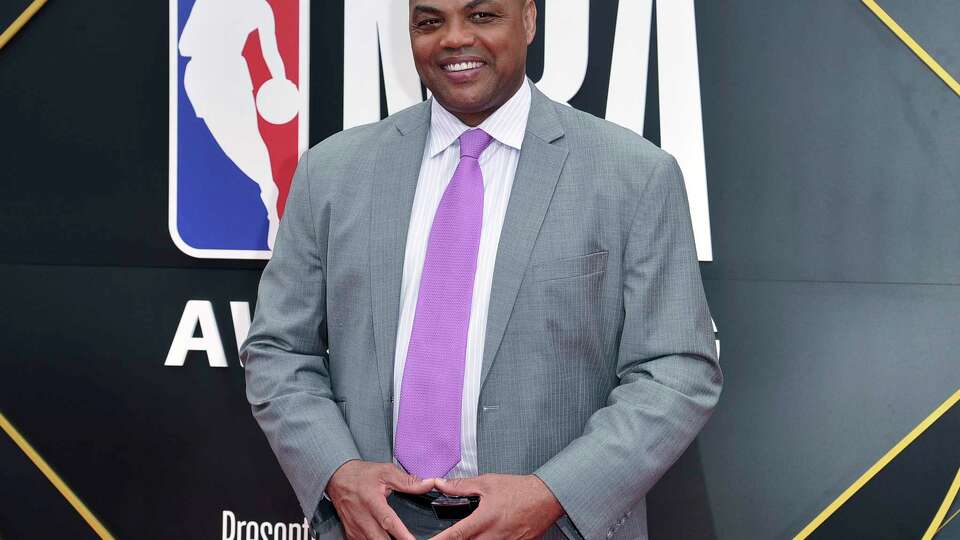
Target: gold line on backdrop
<point>54,479</point>
<point>18,23</point>
<point>879,465</point>
<point>938,522</point>
<point>948,520</point>
<point>914,46</point>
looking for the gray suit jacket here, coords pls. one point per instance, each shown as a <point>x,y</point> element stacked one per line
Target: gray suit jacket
<point>599,365</point>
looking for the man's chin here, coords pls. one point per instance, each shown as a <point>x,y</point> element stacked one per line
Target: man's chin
<point>465,104</point>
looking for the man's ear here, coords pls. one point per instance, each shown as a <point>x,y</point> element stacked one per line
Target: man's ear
<point>530,20</point>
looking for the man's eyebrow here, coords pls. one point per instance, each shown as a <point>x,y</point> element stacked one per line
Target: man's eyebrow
<point>433,10</point>
<point>426,8</point>
<point>474,3</point>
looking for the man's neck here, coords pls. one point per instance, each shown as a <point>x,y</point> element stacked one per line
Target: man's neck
<point>474,119</point>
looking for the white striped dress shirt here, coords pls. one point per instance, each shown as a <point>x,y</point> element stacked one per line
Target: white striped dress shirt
<point>498,163</point>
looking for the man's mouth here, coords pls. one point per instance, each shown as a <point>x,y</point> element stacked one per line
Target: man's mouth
<point>463,66</point>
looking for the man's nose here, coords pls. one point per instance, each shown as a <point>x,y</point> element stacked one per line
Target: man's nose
<point>457,35</point>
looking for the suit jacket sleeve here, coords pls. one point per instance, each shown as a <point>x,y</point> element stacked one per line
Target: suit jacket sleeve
<point>285,355</point>
<point>667,364</point>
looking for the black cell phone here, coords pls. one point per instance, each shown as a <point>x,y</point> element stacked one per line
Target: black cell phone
<point>445,507</point>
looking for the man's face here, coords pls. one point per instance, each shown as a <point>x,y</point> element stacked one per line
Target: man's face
<point>471,53</point>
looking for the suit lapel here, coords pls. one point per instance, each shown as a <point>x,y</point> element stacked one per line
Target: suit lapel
<point>538,171</point>
<point>395,174</point>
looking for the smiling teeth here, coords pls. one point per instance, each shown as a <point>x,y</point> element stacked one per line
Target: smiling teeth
<point>462,66</point>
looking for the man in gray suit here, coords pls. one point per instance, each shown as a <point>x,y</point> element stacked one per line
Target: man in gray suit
<point>489,287</point>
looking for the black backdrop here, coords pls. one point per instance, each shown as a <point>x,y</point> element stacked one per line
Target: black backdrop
<point>834,185</point>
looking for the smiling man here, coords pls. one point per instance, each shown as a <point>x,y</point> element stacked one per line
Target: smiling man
<point>483,317</point>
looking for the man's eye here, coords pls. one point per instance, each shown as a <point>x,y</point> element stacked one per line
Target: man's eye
<point>481,16</point>
<point>427,23</point>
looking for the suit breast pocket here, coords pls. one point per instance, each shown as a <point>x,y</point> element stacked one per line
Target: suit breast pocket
<point>565,299</point>
<point>570,267</point>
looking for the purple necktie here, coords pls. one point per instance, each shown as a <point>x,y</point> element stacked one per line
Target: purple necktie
<point>428,424</point>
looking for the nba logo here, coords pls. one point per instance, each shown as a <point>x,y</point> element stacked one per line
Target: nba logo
<point>238,121</point>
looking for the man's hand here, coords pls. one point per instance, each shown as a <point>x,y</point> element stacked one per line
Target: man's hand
<point>520,507</point>
<point>359,491</point>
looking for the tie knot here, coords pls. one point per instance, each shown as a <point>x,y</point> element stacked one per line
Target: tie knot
<point>473,142</point>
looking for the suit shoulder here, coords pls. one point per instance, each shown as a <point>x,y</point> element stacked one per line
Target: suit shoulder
<point>361,139</point>
<point>344,143</point>
<point>591,133</point>
<point>342,163</point>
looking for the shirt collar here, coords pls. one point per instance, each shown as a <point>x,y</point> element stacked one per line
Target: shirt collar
<point>507,124</point>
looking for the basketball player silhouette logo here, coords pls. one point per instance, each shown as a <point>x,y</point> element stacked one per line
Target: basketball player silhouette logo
<point>248,121</point>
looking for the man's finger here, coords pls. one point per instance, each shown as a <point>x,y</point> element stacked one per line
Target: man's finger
<point>468,527</point>
<point>390,522</point>
<point>460,486</point>
<point>398,480</point>
<point>370,529</point>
